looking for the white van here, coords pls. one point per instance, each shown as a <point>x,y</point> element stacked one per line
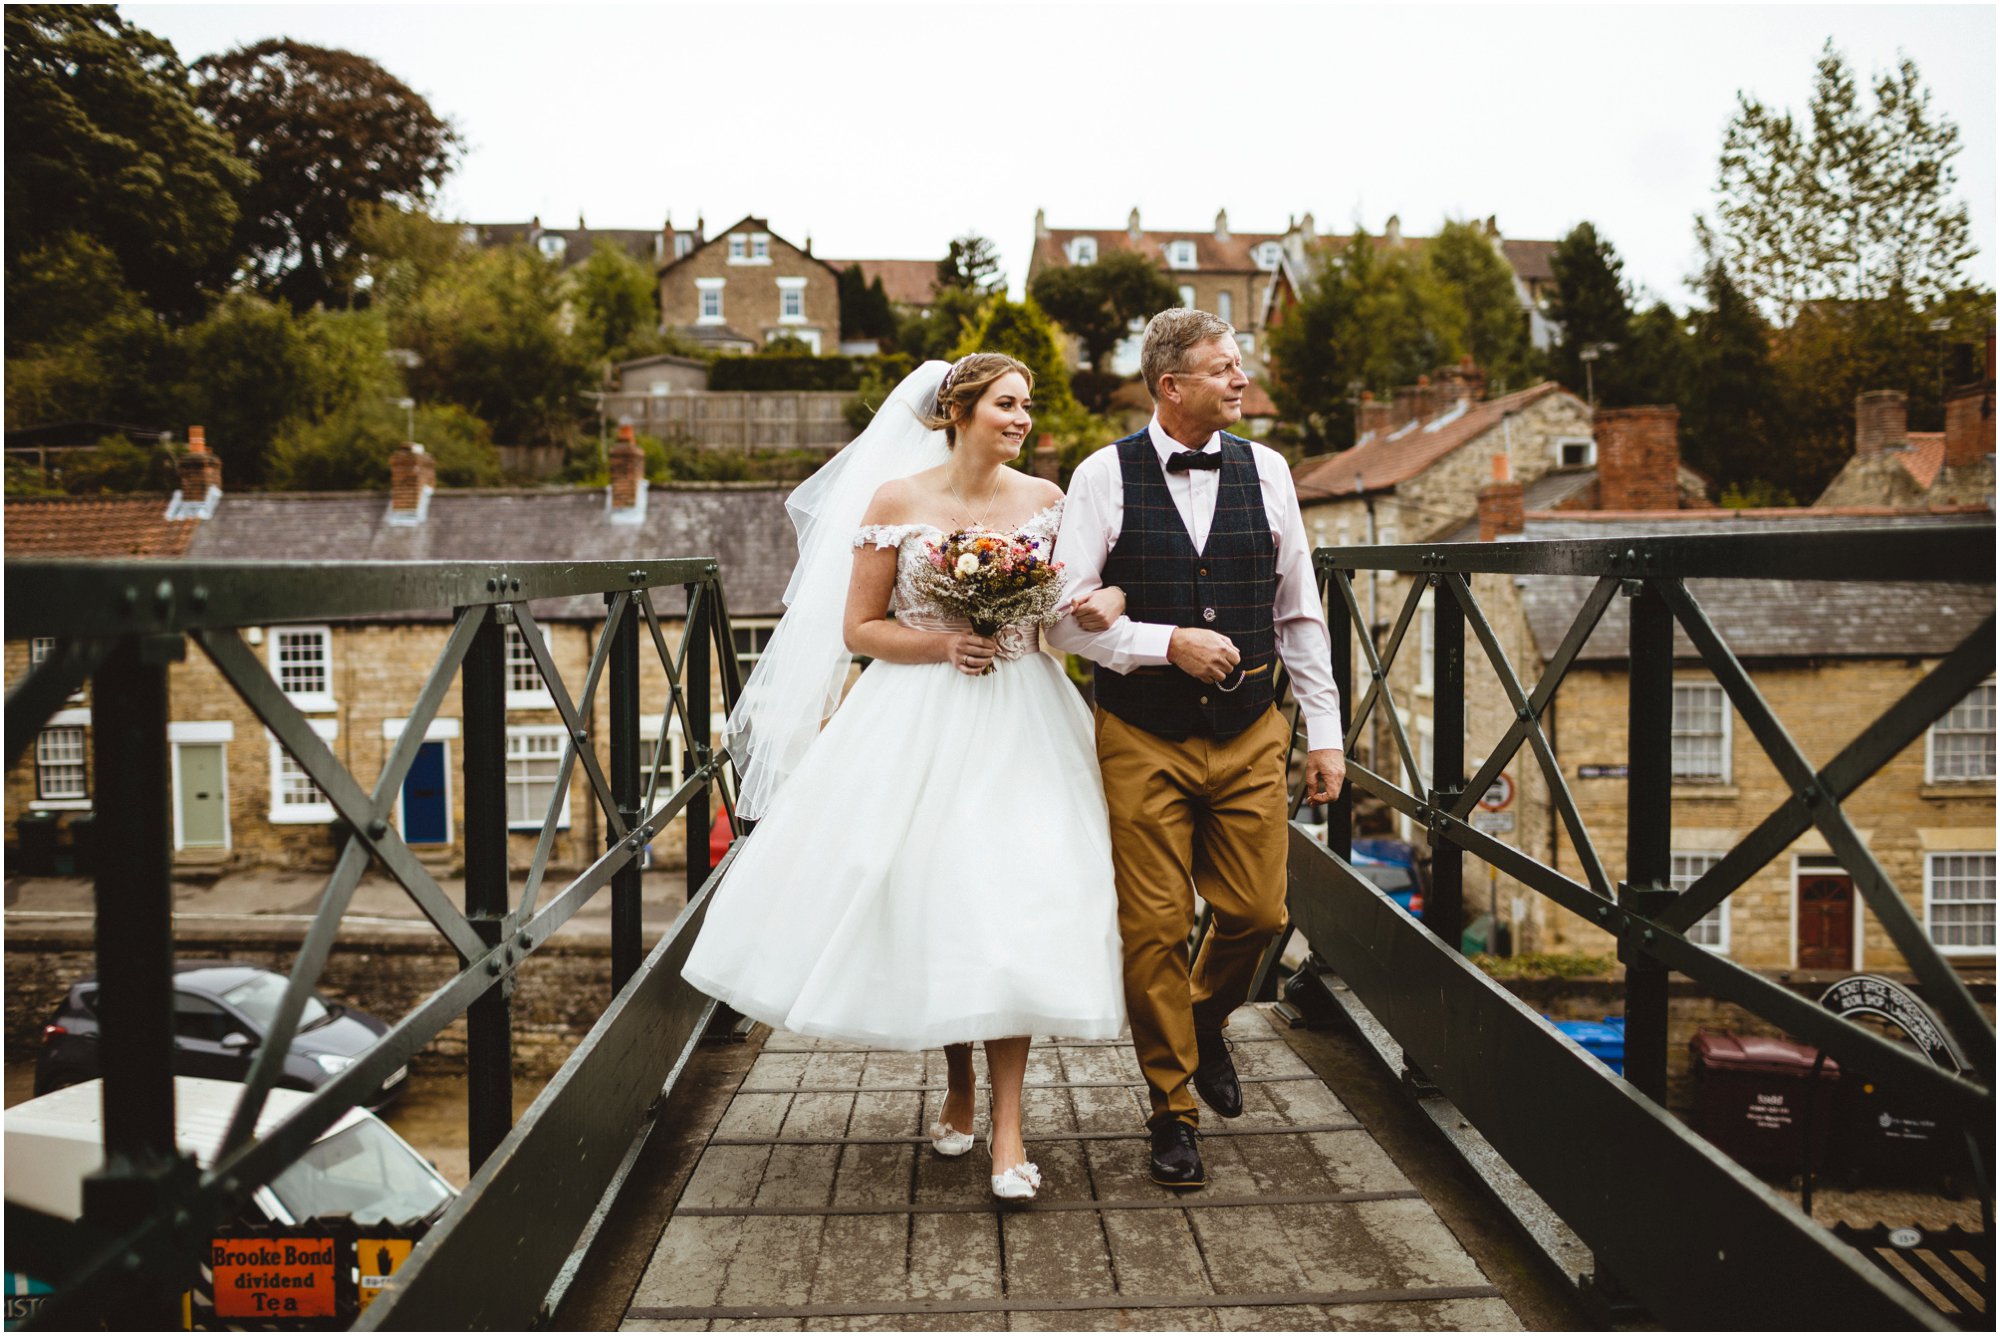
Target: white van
<point>357,1168</point>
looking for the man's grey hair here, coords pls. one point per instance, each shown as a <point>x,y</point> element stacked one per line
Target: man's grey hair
<point>1170,336</point>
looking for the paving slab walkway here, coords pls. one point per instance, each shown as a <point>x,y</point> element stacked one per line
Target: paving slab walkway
<point>818,1204</point>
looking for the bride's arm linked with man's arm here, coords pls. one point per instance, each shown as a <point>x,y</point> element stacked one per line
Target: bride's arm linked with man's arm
<point>1091,523</point>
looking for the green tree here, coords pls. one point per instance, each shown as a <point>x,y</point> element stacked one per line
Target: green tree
<point>349,449</point>
<point>1853,205</point>
<point>1020,330</point>
<point>953,314</point>
<point>113,178</point>
<point>1371,319</point>
<point>617,304</point>
<point>1651,366</point>
<point>1591,307</point>
<point>973,264</point>
<point>329,133</point>
<point>1098,302</point>
<point>1729,396</point>
<point>865,310</point>
<point>254,370</point>
<point>489,335</point>
<point>1495,330</point>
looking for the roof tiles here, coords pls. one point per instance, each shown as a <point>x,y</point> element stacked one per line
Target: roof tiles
<point>95,526</point>
<point>1385,459</point>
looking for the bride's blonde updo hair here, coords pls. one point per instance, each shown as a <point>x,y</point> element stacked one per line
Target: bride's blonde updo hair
<point>963,386</point>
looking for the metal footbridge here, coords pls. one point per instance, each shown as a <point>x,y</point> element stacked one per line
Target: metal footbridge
<point>786,1182</point>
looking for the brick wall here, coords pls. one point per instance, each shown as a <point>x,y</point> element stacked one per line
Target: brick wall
<point>1881,419</point>
<point>1638,458</point>
<point>750,291</point>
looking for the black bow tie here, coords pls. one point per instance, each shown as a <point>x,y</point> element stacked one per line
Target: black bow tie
<point>1182,460</point>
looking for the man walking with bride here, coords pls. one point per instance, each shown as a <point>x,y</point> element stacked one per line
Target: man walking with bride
<point>1202,531</point>
<point>935,863</point>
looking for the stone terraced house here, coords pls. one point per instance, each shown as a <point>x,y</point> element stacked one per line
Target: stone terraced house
<point>239,799</point>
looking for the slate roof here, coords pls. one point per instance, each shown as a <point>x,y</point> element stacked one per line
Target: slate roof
<point>1384,459</point>
<point>95,526</point>
<point>1763,619</point>
<point>904,282</point>
<point>742,525</point>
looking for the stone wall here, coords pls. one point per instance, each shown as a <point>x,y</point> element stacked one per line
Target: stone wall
<point>560,990</point>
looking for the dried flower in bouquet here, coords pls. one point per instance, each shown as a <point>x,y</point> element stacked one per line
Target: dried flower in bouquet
<point>991,580</point>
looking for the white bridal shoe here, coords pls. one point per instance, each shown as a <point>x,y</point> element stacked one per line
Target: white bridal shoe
<point>1018,1183</point>
<point>948,1141</point>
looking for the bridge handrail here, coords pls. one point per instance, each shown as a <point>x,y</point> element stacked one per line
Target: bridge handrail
<point>1344,922</point>
<point>148,1214</point>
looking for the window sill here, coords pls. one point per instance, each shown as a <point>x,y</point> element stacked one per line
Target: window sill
<point>530,700</point>
<point>1957,788</point>
<point>303,816</point>
<point>1687,792</point>
<point>313,703</point>
<point>60,805</point>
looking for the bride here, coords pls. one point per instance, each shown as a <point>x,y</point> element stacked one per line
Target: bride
<point>934,867</point>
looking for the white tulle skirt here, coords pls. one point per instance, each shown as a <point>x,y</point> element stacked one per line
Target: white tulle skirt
<point>937,870</point>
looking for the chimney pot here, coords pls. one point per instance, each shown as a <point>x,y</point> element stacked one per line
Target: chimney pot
<point>1374,416</point>
<point>1881,420</point>
<point>1639,458</point>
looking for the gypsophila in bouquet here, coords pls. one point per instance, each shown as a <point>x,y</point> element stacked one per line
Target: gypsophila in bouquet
<point>991,580</point>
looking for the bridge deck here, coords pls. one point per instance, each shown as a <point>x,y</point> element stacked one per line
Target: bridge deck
<point>818,1204</point>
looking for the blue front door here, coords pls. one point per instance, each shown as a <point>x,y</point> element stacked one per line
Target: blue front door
<point>425,820</point>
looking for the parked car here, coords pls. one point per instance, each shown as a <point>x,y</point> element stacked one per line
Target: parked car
<point>222,1010</point>
<point>1390,864</point>
<point>358,1167</point>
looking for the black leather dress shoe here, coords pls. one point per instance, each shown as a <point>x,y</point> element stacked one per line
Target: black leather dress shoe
<point>1215,1076</point>
<point>1176,1156</point>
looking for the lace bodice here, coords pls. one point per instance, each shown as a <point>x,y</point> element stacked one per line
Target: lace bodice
<point>912,610</point>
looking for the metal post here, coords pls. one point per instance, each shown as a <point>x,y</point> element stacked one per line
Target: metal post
<point>1648,835</point>
<point>489,1087</point>
<point>135,949</point>
<point>1444,901</point>
<point>1340,628</point>
<point>694,682</point>
<point>627,791</point>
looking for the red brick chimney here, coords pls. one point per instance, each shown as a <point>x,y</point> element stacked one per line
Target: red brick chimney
<point>1639,458</point>
<point>1501,504</point>
<point>1462,382</point>
<point>1373,415</point>
<point>1047,461</point>
<point>1881,420</point>
<point>628,470</point>
<point>412,473</point>
<point>1416,401</point>
<point>1968,420</point>
<point>199,468</point>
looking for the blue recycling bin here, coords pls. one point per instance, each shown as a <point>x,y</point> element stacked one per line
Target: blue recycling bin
<point>1603,1040</point>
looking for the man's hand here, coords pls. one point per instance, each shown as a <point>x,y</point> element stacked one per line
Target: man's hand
<point>1206,656</point>
<point>1326,771</point>
<point>1098,609</point>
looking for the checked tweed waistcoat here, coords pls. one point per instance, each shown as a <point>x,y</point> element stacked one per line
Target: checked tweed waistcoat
<point>1228,587</point>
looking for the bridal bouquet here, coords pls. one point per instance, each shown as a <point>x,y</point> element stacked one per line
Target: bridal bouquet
<point>990,580</point>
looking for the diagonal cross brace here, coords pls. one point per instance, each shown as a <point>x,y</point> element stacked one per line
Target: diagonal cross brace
<point>1527,718</point>
<point>253,683</point>
<point>1900,725</point>
<point>1942,983</point>
<point>347,872</point>
<point>42,692</point>
<point>531,887</point>
<point>1378,669</point>
<point>579,737</point>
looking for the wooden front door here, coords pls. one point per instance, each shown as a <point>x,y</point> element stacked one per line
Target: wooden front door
<point>1826,921</point>
<point>202,796</point>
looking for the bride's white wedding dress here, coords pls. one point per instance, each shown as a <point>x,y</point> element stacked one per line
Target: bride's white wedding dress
<point>937,869</point>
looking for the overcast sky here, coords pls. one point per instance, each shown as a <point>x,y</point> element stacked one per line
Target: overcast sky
<point>885,130</point>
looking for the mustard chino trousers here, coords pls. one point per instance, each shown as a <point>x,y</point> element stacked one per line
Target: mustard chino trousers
<point>1207,815</point>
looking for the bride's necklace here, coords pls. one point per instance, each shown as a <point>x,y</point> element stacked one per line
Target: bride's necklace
<point>971,518</point>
